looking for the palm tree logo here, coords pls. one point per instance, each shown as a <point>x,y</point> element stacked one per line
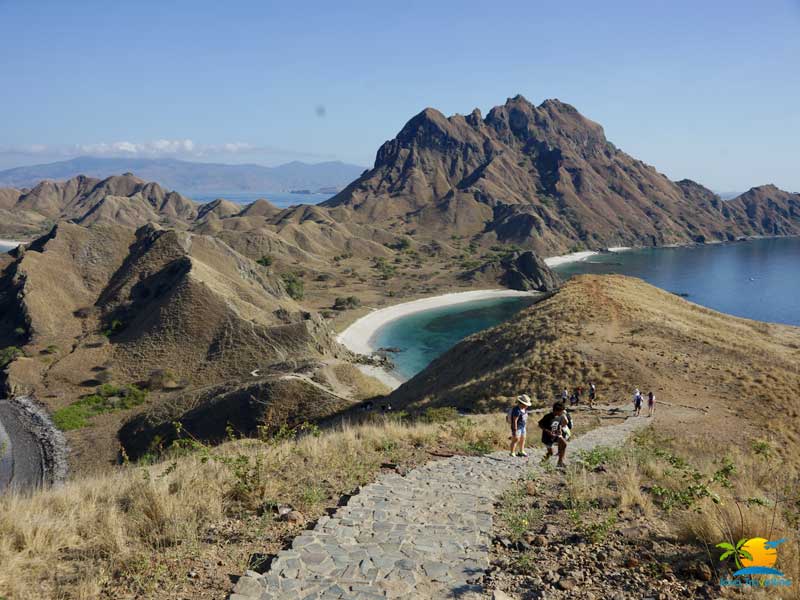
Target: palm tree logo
<point>736,550</point>
<point>754,556</point>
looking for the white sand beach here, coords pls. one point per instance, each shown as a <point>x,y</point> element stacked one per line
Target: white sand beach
<point>359,336</point>
<point>555,261</point>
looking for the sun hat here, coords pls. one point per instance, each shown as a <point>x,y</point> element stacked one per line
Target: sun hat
<point>524,399</point>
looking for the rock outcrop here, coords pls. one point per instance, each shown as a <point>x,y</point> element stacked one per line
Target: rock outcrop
<point>523,271</point>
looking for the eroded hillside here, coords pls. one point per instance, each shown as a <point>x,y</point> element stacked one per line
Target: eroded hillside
<point>104,319</point>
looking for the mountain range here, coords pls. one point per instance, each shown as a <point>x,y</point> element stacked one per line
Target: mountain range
<point>544,177</point>
<point>192,177</point>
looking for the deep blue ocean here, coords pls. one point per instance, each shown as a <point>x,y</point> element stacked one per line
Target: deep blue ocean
<point>758,279</point>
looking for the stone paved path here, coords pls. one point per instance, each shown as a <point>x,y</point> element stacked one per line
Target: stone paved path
<point>425,535</point>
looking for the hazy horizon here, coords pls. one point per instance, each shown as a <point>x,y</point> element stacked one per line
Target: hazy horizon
<point>699,92</point>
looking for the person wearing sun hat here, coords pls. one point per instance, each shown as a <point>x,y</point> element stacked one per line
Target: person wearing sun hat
<point>519,419</point>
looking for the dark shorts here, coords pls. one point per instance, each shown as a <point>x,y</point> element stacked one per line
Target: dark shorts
<point>548,441</point>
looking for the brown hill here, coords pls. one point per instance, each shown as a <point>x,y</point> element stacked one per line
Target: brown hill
<point>545,177</point>
<point>767,210</point>
<point>107,304</point>
<point>8,198</point>
<point>123,200</point>
<point>259,208</point>
<point>622,334</point>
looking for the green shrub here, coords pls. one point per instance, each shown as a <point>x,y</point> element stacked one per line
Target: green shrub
<point>114,327</point>
<point>345,303</point>
<point>386,270</point>
<point>294,286</point>
<point>516,513</point>
<point>601,455</point>
<point>401,244</point>
<point>265,261</point>
<point>444,414</point>
<point>107,398</point>
<point>8,354</point>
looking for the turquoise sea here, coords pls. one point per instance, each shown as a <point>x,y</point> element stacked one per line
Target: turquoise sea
<point>758,279</point>
<point>423,336</point>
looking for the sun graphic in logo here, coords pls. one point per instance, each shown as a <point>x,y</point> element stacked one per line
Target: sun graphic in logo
<point>754,556</point>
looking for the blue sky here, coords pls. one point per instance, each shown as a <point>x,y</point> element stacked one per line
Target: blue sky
<point>703,89</point>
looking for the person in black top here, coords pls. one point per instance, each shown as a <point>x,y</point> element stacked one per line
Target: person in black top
<point>553,426</point>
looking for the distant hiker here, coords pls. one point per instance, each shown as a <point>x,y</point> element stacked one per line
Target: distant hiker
<point>564,396</point>
<point>555,428</point>
<point>573,399</point>
<point>518,418</point>
<point>651,404</point>
<point>637,402</point>
<point>592,394</point>
<point>578,393</point>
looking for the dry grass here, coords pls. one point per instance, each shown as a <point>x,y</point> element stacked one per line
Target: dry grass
<point>704,493</point>
<point>137,531</point>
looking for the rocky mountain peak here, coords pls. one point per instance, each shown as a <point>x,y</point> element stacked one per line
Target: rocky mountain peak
<point>543,177</point>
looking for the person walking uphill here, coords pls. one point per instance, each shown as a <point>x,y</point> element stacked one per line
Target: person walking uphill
<point>651,404</point>
<point>637,402</point>
<point>519,420</point>
<point>555,427</point>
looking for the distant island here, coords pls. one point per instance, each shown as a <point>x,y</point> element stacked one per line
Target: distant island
<point>323,190</point>
<point>194,177</point>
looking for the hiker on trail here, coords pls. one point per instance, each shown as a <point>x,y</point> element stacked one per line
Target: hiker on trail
<point>637,402</point>
<point>555,428</point>
<point>519,419</point>
<point>564,396</point>
<point>592,394</point>
<point>651,404</point>
<point>573,399</point>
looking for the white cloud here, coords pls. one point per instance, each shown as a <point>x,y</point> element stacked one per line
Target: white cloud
<point>187,149</point>
<point>161,147</point>
<point>151,149</point>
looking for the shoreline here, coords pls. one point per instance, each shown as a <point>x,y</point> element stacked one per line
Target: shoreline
<point>563,259</point>
<point>358,337</point>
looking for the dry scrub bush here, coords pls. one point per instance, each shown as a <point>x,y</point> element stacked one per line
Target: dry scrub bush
<point>708,493</point>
